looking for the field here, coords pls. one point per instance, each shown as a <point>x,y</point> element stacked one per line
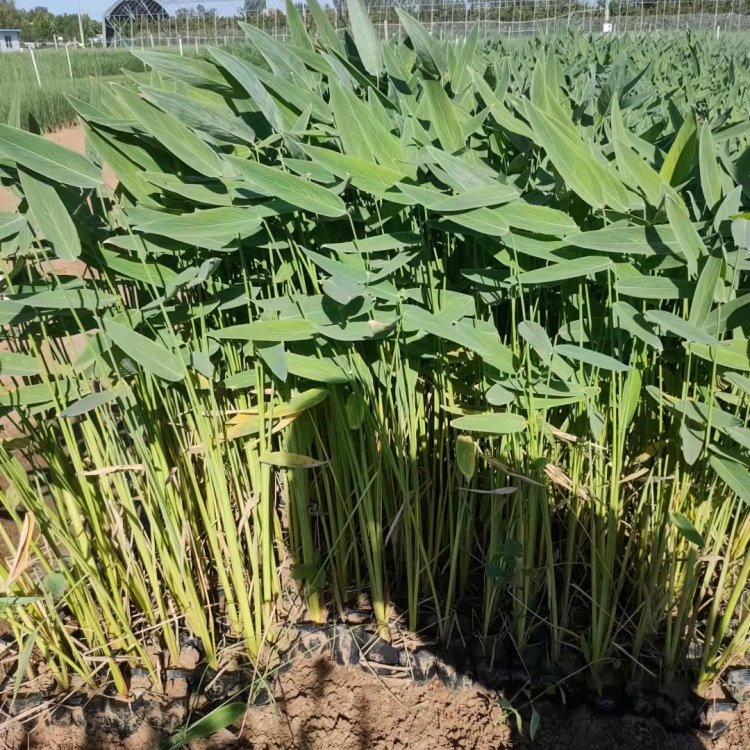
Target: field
<point>47,104</point>
<point>447,338</point>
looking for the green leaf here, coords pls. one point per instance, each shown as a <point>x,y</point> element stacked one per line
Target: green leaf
<point>680,327</point>
<point>275,182</point>
<point>55,584</point>
<point>493,423</point>
<point>443,117</point>
<point>590,357</point>
<point>14,364</point>
<point>50,217</point>
<point>651,240</point>
<point>211,228</point>
<point>11,224</point>
<point>538,338</point>
<point>625,316</point>
<point>285,329</point>
<point>734,475</point>
<point>733,354</point>
<point>566,269</point>
<point>687,236</point>
<point>173,135</point>
<point>365,37</point>
<point>538,219</point>
<point>709,170</point>
<point>244,74</point>
<point>146,352</point>
<point>651,287</point>
<point>213,722</point>
<point>680,152</point>
<point>47,159</point>
<point>318,369</point>
<point>687,529</point>
<point>482,221</point>
<point>326,32</point>
<point>88,403</point>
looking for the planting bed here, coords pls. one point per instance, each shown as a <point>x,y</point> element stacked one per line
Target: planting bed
<point>341,686</point>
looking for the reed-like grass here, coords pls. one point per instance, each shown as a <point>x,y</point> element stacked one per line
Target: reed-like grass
<point>456,328</point>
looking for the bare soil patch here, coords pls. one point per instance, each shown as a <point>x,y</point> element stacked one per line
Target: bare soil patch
<point>318,705</point>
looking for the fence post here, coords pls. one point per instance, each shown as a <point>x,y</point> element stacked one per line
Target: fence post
<point>179,41</point>
<point>67,54</point>
<point>36,70</point>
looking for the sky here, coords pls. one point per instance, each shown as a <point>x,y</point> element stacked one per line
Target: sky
<point>96,8</point>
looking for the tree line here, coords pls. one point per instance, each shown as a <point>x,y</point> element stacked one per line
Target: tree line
<point>41,25</point>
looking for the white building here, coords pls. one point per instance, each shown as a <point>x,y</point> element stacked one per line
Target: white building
<point>9,41</point>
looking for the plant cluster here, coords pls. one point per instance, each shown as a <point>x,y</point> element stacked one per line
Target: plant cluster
<point>458,327</point>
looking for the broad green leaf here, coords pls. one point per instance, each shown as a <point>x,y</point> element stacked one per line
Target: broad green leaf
<point>566,269</point>
<point>686,528</point>
<point>244,74</point>
<point>443,117</point>
<point>365,37</point>
<point>532,332</point>
<point>318,369</point>
<point>688,239</point>
<point>590,357</point>
<point>87,403</point>
<point>326,32</point>
<point>680,152</point>
<point>538,219</point>
<point>482,221</point>
<point>10,224</point>
<point>651,240</point>
<point>50,216</point>
<point>146,352</point>
<point>174,136</point>
<point>652,287</point>
<point>680,327</point>
<point>493,423</point>
<point>268,330</point>
<point>275,182</point>
<point>47,159</point>
<point>211,228</point>
<point>734,475</point>
<point>15,364</point>
<point>705,290</point>
<point>709,170</point>
<point>732,354</point>
<point>363,174</point>
<point>597,184</point>
<point>625,316</point>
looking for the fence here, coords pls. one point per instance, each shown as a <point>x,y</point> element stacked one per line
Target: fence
<point>194,25</point>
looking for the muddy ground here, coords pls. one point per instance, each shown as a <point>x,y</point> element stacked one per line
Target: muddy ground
<point>317,705</point>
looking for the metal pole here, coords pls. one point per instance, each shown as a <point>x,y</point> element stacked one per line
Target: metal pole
<point>67,54</point>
